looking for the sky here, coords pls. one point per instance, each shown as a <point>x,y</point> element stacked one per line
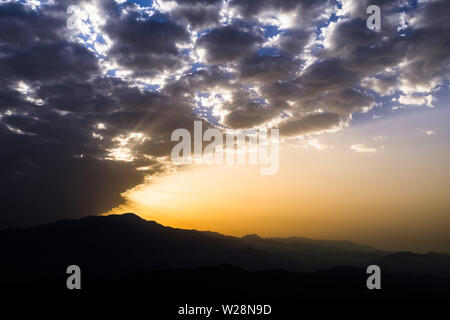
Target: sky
<point>92,90</point>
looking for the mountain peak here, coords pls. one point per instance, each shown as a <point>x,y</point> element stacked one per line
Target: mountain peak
<point>120,217</point>
<point>252,236</point>
<point>128,216</point>
<point>130,219</point>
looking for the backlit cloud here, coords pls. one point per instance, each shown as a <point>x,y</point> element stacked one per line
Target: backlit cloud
<point>115,87</point>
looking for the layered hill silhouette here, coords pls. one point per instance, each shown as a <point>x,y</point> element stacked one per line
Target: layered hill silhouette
<point>120,245</point>
<point>126,256</point>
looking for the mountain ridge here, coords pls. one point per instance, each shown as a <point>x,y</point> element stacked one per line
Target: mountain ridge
<point>125,244</point>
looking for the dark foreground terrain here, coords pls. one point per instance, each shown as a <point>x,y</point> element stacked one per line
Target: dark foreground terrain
<point>125,258</point>
<point>290,295</point>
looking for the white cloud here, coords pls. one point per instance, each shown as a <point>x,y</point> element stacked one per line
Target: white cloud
<point>416,100</point>
<point>362,148</point>
<point>315,143</point>
<point>380,138</point>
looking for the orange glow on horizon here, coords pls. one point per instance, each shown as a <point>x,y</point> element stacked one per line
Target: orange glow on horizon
<point>336,194</point>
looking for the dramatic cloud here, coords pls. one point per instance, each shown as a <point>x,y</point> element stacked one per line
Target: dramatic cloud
<point>310,124</point>
<point>200,15</point>
<point>226,44</point>
<point>64,125</point>
<point>266,69</point>
<point>87,113</point>
<point>146,46</point>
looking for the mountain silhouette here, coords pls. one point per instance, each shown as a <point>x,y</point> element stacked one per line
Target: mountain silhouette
<point>431,263</point>
<point>125,255</point>
<point>123,244</point>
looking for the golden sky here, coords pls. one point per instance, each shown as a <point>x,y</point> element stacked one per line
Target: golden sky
<point>393,196</point>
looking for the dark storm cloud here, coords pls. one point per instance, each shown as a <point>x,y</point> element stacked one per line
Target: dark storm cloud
<point>252,7</point>
<point>423,49</point>
<point>349,35</point>
<point>227,44</point>
<point>267,68</point>
<point>42,182</point>
<point>100,96</point>
<point>205,79</point>
<point>199,16</point>
<point>245,113</point>
<point>282,91</point>
<point>429,46</point>
<point>79,97</point>
<point>327,75</point>
<point>146,46</point>
<point>434,15</point>
<point>249,115</point>
<point>345,102</point>
<point>33,47</point>
<point>292,41</point>
<point>44,177</point>
<point>307,10</point>
<point>310,123</point>
<point>51,165</point>
<point>20,26</point>
<point>42,62</point>
<point>12,99</point>
<point>358,8</point>
<point>373,59</point>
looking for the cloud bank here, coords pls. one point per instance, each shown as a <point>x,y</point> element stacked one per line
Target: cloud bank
<point>87,113</point>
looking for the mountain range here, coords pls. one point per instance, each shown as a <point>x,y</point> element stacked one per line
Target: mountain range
<point>120,245</point>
